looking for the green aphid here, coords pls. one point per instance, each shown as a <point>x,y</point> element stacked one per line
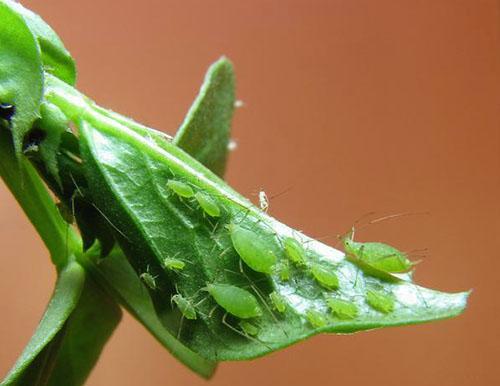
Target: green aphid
<point>342,309</point>
<point>377,259</point>
<point>283,270</point>
<point>180,188</point>
<point>208,204</point>
<point>249,328</point>
<point>185,307</point>
<point>235,300</point>
<point>254,250</point>
<point>294,251</point>
<point>149,280</point>
<point>316,318</point>
<point>380,301</point>
<point>278,302</point>
<point>325,276</point>
<point>173,264</point>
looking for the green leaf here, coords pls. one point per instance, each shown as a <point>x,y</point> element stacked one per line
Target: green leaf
<point>87,330</point>
<point>116,273</point>
<point>40,352</point>
<point>205,132</point>
<point>21,71</point>
<point>55,57</point>
<point>128,176</point>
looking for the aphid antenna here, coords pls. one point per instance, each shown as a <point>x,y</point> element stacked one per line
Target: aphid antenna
<point>242,333</point>
<point>392,217</point>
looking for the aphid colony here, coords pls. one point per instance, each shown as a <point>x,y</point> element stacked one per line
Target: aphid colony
<point>260,254</point>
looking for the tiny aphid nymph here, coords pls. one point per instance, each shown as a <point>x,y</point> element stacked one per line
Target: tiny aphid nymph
<point>325,276</point>
<point>180,188</point>
<point>173,264</point>
<point>236,301</point>
<point>316,318</point>
<point>342,309</point>
<point>294,251</point>
<point>278,302</point>
<point>149,280</point>
<point>208,204</point>
<point>283,270</point>
<point>248,328</point>
<point>255,250</point>
<point>185,306</point>
<point>380,301</point>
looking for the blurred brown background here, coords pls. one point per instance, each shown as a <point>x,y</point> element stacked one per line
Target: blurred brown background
<point>354,106</point>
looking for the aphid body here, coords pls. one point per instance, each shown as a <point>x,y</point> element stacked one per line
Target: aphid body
<point>315,318</point>
<point>380,301</point>
<point>173,264</point>
<point>248,328</point>
<point>236,301</point>
<point>208,204</point>
<point>342,309</point>
<point>263,201</point>
<point>294,251</point>
<point>255,251</point>
<point>279,303</point>
<point>180,188</point>
<point>378,255</point>
<point>325,276</point>
<point>185,306</point>
<point>149,280</point>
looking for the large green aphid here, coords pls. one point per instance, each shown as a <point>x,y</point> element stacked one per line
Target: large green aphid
<point>236,301</point>
<point>256,251</point>
<point>342,309</point>
<point>375,258</point>
<point>380,301</point>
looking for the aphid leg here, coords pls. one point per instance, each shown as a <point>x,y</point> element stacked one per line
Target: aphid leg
<point>358,269</point>
<point>261,297</point>
<point>242,333</point>
<point>179,330</point>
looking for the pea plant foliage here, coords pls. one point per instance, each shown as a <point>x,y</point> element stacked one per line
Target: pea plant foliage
<point>140,221</point>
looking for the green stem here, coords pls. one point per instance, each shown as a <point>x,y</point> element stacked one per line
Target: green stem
<point>35,200</point>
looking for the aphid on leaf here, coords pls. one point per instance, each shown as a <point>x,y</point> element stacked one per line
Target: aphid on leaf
<point>263,201</point>
<point>185,306</point>
<point>315,318</point>
<point>294,251</point>
<point>235,300</point>
<point>342,309</point>
<point>254,250</point>
<point>279,303</point>
<point>325,276</point>
<point>283,270</point>
<point>208,204</point>
<point>248,328</point>
<point>180,188</point>
<point>380,301</point>
<point>149,280</point>
<point>173,264</point>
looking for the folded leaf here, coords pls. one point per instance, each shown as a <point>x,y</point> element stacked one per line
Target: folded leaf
<point>205,132</point>
<point>66,295</point>
<point>129,177</point>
